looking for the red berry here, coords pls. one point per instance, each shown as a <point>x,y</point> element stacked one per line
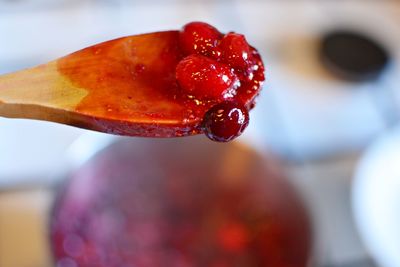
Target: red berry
<point>235,51</point>
<point>200,38</point>
<point>225,121</point>
<point>205,78</point>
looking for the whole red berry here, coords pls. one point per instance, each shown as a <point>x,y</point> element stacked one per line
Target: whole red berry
<point>205,78</point>
<point>200,38</point>
<point>225,121</point>
<point>235,51</point>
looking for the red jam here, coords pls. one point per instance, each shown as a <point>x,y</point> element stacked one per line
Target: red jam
<point>199,38</point>
<point>230,67</point>
<point>206,79</point>
<point>162,84</point>
<point>179,203</point>
<point>236,51</point>
<point>225,121</point>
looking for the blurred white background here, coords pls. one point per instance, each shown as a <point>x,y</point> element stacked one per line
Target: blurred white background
<point>305,115</point>
<point>304,112</point>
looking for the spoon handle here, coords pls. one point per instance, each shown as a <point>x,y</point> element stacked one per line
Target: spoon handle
<point>38,93</point>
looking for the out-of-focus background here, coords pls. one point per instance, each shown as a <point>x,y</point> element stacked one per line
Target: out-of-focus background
<point>319,125</point>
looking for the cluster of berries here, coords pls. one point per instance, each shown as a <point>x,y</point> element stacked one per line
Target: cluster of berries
<point>213,69</point>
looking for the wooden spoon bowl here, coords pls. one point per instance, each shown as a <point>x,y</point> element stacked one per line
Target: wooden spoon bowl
<point>125,86</point>
<point>120,86</point>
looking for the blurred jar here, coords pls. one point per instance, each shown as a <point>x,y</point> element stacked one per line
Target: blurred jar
<point>186,202</point>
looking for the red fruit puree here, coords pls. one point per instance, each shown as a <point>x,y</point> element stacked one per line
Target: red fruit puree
<point>179,75</point>
<point>179,203</point>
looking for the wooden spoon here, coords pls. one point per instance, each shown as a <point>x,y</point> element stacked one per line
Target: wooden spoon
<point>125,86</point>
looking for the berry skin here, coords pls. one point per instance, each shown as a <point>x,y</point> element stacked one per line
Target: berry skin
<point>205,78</point>
<point>236,51</point>
<point>225,121</point>
<point>200,38</point>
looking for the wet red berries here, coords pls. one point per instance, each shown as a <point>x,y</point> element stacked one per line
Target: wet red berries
<point>199,38</point>
<point>205,78</point>
<point>225,121</point>
<point>236,51</point>
<point>219,71</point>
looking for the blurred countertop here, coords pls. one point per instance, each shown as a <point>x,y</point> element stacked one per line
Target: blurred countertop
<point>23,228</point>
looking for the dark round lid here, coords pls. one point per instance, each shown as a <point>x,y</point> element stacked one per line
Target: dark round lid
<point>353,56</point>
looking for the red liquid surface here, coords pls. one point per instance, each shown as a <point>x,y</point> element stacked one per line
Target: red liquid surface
<point>179,204</point>
<point>133,79</point>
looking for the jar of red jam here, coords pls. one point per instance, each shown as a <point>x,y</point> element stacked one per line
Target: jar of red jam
<point>179,203</point>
